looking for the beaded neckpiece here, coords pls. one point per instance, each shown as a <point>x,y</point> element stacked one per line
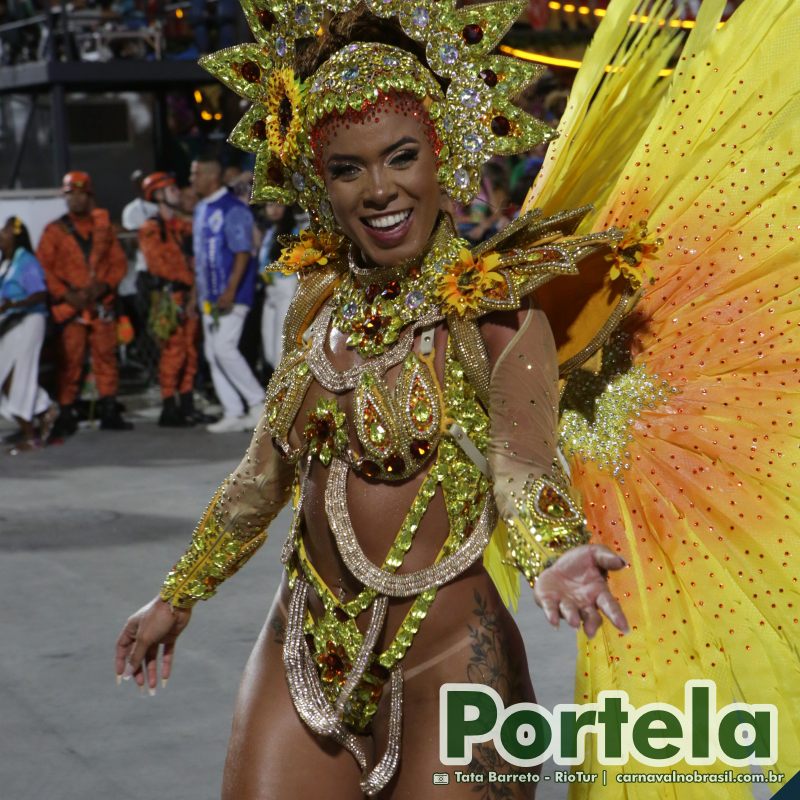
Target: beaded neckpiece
<point>474,116</point>
<point>373,308</point>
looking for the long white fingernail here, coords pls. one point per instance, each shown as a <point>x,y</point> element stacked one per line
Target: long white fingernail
<point>119,679</point>
<point>164,683</point>
<point>128,674</point>
<point>151,691</point>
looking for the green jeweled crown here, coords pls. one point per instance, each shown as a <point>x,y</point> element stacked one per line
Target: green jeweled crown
<point>475,117</point>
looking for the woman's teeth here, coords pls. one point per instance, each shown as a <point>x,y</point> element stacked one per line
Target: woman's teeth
<point>389,221</point>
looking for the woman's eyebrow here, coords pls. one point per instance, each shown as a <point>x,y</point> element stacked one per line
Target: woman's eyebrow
<point>399,143</point>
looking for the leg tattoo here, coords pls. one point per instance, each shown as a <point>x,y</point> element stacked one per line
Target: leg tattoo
<point>490,665</point>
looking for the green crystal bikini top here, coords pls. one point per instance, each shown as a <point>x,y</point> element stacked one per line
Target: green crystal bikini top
<point>397,429</point>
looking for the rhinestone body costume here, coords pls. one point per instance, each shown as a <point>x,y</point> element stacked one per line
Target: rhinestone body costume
<point>462,433</point>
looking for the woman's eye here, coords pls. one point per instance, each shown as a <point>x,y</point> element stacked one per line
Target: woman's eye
<point>342,171</point>
<point>403,158</point>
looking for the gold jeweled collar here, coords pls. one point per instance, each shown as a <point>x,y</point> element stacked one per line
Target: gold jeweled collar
<point>373,306</point>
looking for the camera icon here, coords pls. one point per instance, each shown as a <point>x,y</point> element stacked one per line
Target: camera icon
<point>441,778</point>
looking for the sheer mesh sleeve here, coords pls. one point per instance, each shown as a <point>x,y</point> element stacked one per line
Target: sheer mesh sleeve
<point>530,487</point>
<point>235,523</point>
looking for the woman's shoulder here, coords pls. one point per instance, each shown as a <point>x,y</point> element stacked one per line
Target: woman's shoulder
<point>25,259</point>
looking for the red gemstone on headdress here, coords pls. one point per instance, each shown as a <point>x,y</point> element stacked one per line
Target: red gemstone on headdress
<point>266,18</point>
<point>369,469</point>
<point>251,72</point>
<point>472,33</point>
<point>259,129</point>
<point>489,77</point>
<point>275,171</point>
<point>371,292</point>
<point>372,325</point>
<point>501,126</point>
<point>391,290</point>
<point>420,448</point>
<point>394,465</point>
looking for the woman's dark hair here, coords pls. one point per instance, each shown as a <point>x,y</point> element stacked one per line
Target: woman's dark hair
<point>21,236</point>
<point>358,25</point>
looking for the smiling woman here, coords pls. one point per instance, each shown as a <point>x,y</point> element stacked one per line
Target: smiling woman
<point>411,367</point>
<point>380,175</point>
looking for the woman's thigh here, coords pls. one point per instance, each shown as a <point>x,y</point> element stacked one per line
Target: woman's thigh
<point>486,649</point>
<point>272,755</point>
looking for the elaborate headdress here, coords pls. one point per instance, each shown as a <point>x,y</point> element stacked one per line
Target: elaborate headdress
<point>474,116</point>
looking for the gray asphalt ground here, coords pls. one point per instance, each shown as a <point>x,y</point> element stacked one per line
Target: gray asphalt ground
<point>87,530</point>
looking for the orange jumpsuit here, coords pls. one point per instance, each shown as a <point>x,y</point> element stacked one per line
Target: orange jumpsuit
<point>162,248</point>
<point>67,268</point>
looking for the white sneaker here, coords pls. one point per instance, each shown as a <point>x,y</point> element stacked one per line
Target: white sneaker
<point>227,425</point>
<point>251,419</point>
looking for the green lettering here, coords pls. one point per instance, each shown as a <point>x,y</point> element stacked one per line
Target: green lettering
<point>459,729</point>
<point>571,723</point>
<point>760,747</point>
<point>643,733</point>
<point>509,735</point>
<point>701,734</point>
<point>612,718</point>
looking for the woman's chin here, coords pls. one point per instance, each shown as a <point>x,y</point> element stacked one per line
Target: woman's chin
<point>409,248</point>
<point>391,257</point>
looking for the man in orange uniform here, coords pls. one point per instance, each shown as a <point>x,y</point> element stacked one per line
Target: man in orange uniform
<point>165,241</point>
<point>84,263</point>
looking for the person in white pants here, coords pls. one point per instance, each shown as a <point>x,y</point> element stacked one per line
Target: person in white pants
<point>23,320</point>
<point>280,289</point>
<point>232,377</point>
<point>278,296</point>
<point>225,274</point>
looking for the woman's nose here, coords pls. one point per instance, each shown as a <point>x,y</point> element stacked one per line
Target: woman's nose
<point>379,189</point>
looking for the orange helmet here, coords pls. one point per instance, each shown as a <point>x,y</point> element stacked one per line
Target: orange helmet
<point>77,181</point>
<point>155,181</point>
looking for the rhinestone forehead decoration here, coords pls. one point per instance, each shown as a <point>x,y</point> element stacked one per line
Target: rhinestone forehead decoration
<point>474,118</point>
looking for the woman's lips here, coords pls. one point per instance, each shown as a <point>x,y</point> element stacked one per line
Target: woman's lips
<point>390,237</point>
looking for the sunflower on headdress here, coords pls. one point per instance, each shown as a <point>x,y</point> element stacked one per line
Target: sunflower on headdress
<point>308,250</point>
<point>467,281</point>
<point>629,256</point>
<point>283,104</point>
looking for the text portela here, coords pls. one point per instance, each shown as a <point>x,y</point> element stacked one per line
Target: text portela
<point>657,734</point>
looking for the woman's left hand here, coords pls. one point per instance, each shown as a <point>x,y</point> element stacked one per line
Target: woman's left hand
<point>576,588</point>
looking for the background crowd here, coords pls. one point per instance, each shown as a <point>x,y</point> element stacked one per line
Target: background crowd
<point>101,30</point>
<point>176,292</point>
<point>194,299</point>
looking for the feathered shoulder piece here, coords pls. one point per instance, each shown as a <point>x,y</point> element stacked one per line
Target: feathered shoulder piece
<point>586,283</point>
<point>536,255</point>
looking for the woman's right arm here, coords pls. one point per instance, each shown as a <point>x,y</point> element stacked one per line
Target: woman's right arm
<point>232,528</point>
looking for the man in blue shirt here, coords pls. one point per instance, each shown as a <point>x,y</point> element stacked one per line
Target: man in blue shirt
<point>225,272</point>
